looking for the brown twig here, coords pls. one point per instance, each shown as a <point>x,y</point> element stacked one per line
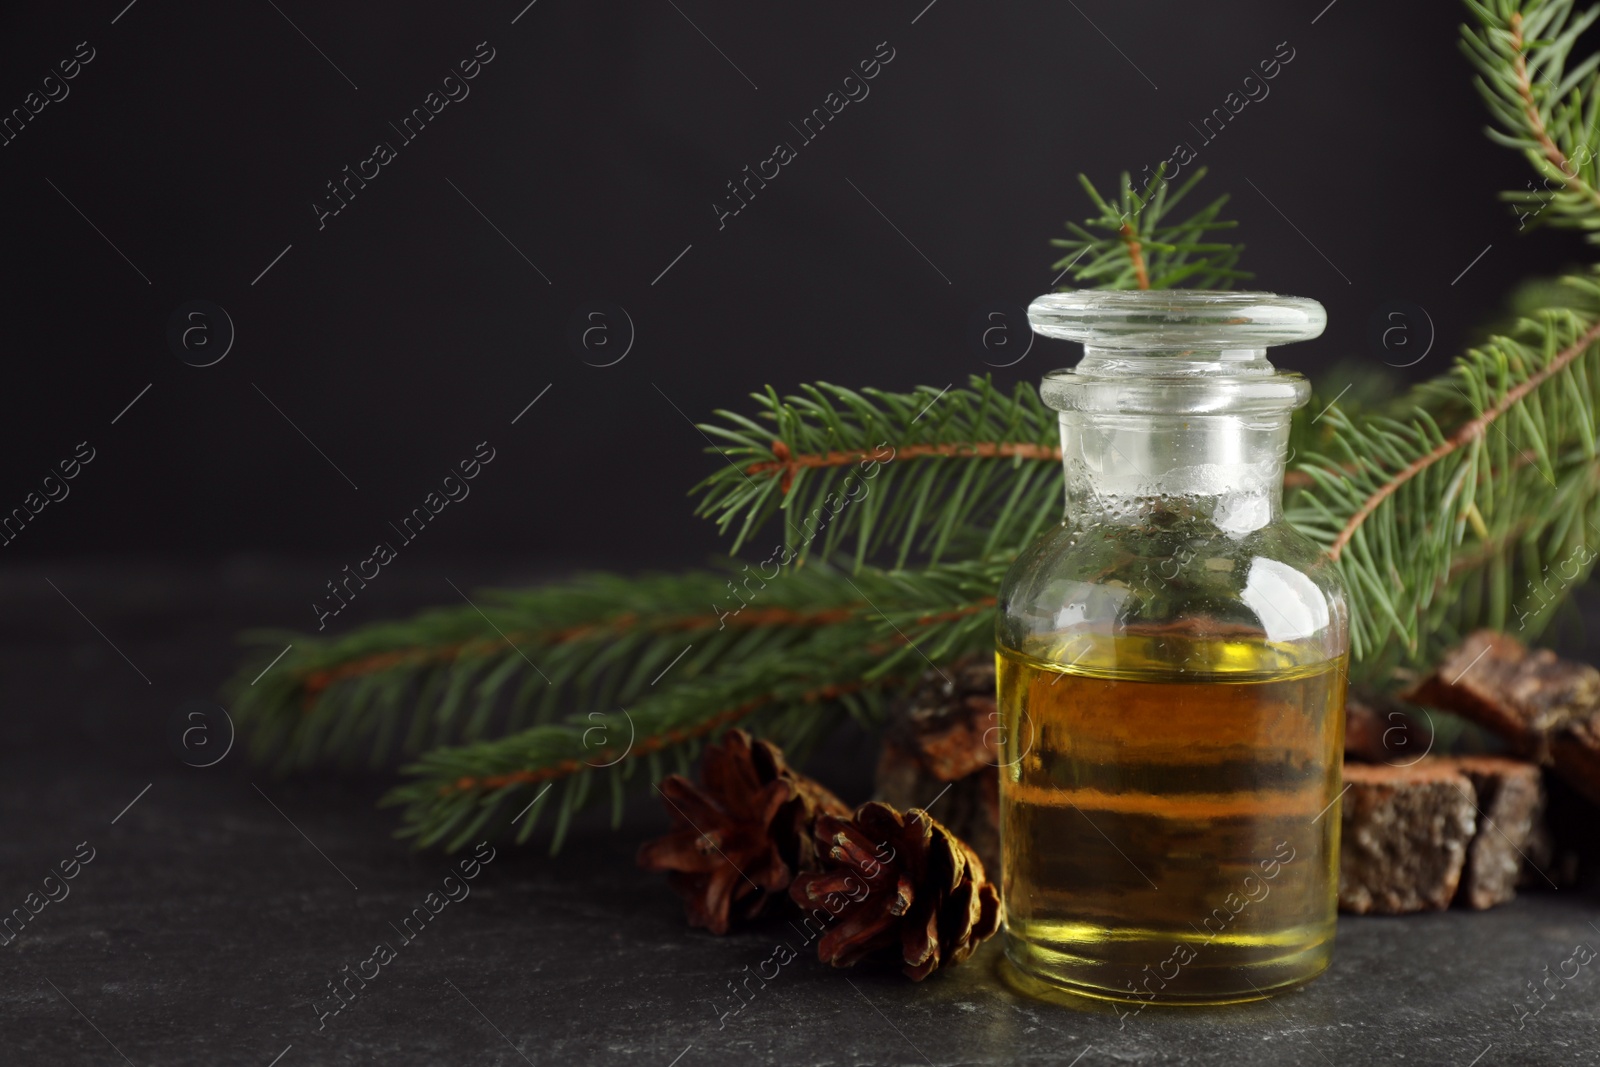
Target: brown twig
<point>791,463</point>
<point>316,681</point>
<point>1468,432</point>
<point>1136,253</point>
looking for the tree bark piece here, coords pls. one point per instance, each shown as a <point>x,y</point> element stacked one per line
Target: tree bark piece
<point>1378,729</point>
<point>1522,695</point>
<point>1406,832</point>
<point>1547,709</point>
<point>1510,802</point>
<point>1575,753</point>
<point>940,753</point>
<point>1363,731</point>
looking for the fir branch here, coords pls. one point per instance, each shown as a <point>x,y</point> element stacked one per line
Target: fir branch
<point>1140,249</point>
<point>592,643</point>
<point>458,794</point>
<point>1540,106</point>
<point>1434,519</point>
<point>1467,434</point>
<point>314,681</point>
<point>981,480</point>
<point>794,696</point>
<point>932,473</point>
<point>456,674</point>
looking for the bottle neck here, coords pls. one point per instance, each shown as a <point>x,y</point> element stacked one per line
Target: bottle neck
<point>1189,362</point>
<point>1224,469</point>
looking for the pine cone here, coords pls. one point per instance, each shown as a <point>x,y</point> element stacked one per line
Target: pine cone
<point>739,837</point>
<point>897,886</point>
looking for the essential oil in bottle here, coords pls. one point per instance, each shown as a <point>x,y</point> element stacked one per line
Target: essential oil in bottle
<point>1160,818</point>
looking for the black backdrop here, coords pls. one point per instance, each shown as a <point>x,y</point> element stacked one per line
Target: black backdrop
<point>186,156</point>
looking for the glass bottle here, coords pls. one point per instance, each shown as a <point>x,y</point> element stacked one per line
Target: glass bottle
<point>1171,668</point>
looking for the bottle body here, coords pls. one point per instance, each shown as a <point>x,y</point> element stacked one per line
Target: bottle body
<point>1168,812</point>
<point>1171,671</point>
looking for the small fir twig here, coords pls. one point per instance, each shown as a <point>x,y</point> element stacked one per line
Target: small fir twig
<point>1137,247</point>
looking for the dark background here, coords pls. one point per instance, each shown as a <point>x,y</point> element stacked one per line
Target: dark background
<point>408,330</point>
<point>379,351</point>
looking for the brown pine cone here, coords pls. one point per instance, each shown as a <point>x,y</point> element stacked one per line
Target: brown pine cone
<point>897,886</point>
<point>739,837</point>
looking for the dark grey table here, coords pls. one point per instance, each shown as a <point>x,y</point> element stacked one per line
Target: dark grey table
<point>220,903</point>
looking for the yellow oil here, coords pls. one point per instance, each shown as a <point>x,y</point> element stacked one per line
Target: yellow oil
<point>1169,825</point>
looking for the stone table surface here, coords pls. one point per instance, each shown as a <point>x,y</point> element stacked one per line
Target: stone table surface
<point>221,901</point>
